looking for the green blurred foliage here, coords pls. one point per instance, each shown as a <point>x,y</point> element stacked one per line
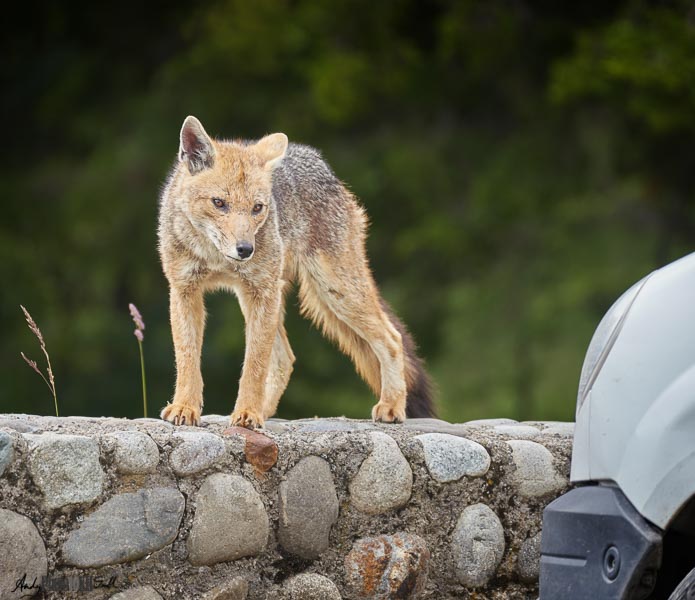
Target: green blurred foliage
<point>522,163</point>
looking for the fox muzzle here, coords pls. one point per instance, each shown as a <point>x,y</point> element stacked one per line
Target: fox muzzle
<point>244,250</point>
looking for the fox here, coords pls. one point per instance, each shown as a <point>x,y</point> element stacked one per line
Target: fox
<point>253,218</point>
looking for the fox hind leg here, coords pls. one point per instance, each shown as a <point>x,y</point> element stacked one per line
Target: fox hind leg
<point>339,293</point>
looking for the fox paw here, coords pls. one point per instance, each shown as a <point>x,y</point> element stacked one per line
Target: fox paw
<point>246,418</point>
<point>181,414</point>
<point>388,413</point>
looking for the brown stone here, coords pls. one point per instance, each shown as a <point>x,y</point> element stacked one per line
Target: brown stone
<point>260,450</point>
<point>388,566</point>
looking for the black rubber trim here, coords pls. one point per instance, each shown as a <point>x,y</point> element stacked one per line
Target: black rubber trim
<point>596,546</point>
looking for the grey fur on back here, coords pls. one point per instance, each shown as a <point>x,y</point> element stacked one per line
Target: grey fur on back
<point>312,203</point>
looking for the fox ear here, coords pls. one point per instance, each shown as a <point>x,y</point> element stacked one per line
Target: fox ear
<point>196,148</point>
<point>271,149</point>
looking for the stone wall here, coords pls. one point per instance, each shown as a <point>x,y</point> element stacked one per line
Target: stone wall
<point>328,508</point>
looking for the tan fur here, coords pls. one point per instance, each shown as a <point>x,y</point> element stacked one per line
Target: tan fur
<point>310,230</point>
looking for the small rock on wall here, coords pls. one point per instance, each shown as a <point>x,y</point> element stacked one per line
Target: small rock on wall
<point>310,586</point>
<point>6,451</point>
<point>385,479</point>
<point>195,451</point>
<point>308,508</point>
<point>65,468</point>
<point>528,562</point>
<point>230,521</point>
<point>448,458</point>
<point>135,453</point>
<point>388,566</point>
<point>22,555</point>
<point>535,473</point>
<point>125,528</point>
<point>138,593</point>
<point>477,545</point>
<point>235,589</point>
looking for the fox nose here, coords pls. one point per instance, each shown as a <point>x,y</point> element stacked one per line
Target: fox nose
<point>244,250</point>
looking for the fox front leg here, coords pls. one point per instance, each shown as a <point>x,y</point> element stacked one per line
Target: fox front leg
<point>262,314</point>
<point>187,324</point>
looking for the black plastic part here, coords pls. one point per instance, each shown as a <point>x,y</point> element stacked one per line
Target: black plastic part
<point>596,546</point>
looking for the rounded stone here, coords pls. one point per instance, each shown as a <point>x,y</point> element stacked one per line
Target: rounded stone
<point>325,425</point>
<point>22,555</point>
<point>565,430</point>
<point>234,589</point>
<point>448,458</point>
<point>222,420</point>
<point>535,473</point>
<point>528,562</point>
<point>6,451</point>
<point>477,545</point>
<point>277,426</point>
<point>491,422</point>
<point>260,451</point>
<point>134,452</point>
<point>308,508</point>
<point>384,481</point>
<point>18,425</point>
<point>310,586</point>
<point>518,432</point>
<point>65,468</point>
<point>139,593</point>
<point>195,451</point>
<point>126,527</point>
<point>230,521</point>
<point>423,426</point>
<point>388,566</point>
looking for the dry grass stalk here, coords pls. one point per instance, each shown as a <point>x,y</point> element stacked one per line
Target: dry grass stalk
<point>50,382</point>
<point>140,336</point>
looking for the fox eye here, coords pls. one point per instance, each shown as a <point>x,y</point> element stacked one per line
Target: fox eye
<point>219,203</point>
<point>257,208</point>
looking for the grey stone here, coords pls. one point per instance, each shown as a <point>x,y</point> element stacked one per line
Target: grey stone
<point>150,422</point>
<point>490,422</point>
<point>477,545</point>
<point>22,551</point>
<point>134,452</point>
<point>528,562</point>
<point>518,432</point>
<point>6,451</point>
<point>565,430</point>
<point>19,425</point>
<point>276,426</point>
<point>310,586</point>
<point>457,429</point>
<point>387,566</point>
<point>235,589</point>
<point>308,508</point>
<point>230,521</point>
<point>196,451</point>
<point>535,473</point>
<point>65,468</point>
<point>384,481</point>
<point>125,528</point>
<point>448,458</point>
<point>323,425</point>
<point>222,420</point>
<point>138,593</point>
<point>428,421</point>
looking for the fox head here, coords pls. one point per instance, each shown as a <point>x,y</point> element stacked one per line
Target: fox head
<point>226,187</point>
